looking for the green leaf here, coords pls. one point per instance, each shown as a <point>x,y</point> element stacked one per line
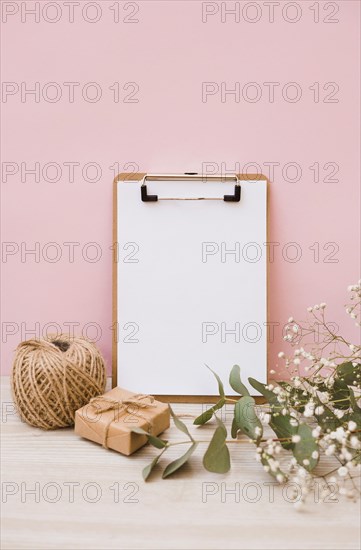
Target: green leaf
<point>340,395</point>
<point>305,447</point>
<point>235,381</point>
<point>220,385</point>
<point>356,417</point>
<point>180,425</point>
<point>234,429</point>
<point>246,418</point>
<point>353,402</point>
<point>155,441</point>
<point>281,425</point>
<point>176,464</point>
<point>349,374</point>
<point>148,469</point>
<point>216,458</point>
<point>268,394</point>
<point>207,415</point>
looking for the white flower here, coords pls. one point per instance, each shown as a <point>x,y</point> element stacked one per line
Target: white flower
<point>297,361</point>
<point>323,305</point>
<point>274,464</point>
<point>355,443</point>
<point>339,413</point>
<point>309,309</point>
<point>290,320</point>
<point>302,472</point>
<point>324,397</point>
<point>352,426</point>
<point>309,409</point>
<point>272,371</point>
<point>316,307</point>
<point>329,382</point>
<point>316,432</point>
<point>340,434</point>
<point>315,455</point>
<point>330,450</point>
<point>343,471</point>
<point>319,410</point>
<point>296,438</point>
<point>280,478</point>
<point>257,430</point>
<point>306,462</point>
<point>295,328</point>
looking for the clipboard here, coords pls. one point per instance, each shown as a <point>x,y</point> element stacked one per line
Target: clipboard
<point>156,224</point>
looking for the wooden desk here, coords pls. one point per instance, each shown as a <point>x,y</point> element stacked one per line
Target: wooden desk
<point>89,498</point>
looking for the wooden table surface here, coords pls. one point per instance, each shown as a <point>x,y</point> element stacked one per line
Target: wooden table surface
<point>61,491</point>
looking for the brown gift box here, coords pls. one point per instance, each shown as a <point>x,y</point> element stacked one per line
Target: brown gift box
<point>109,419</point>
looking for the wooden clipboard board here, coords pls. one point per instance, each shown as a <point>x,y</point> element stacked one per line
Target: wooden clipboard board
<point>138,177</point>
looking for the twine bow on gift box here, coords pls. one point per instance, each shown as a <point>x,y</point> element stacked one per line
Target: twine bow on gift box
<point>102,404</point>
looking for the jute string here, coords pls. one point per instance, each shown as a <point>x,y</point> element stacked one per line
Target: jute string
<point>103,404</point>
<point>55,376</point>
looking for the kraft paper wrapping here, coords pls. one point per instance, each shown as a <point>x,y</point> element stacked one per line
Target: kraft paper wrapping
<point>109,419</point>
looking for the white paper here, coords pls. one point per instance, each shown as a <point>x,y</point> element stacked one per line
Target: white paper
<point>184,298</point>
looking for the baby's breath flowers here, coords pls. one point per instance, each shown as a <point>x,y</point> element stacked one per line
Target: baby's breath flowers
<point>314,413</point>
<point>324,388</point>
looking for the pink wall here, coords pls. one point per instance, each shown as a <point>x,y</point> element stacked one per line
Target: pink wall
<point>168,53</point>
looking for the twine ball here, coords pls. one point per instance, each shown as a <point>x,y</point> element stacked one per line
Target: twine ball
<point>55,376</point>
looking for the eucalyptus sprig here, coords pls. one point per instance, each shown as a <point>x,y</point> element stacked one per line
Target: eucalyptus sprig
<point>164,445</point>
<point>314,411</point>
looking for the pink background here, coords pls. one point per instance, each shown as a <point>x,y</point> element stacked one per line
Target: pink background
<point>169,53</point>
